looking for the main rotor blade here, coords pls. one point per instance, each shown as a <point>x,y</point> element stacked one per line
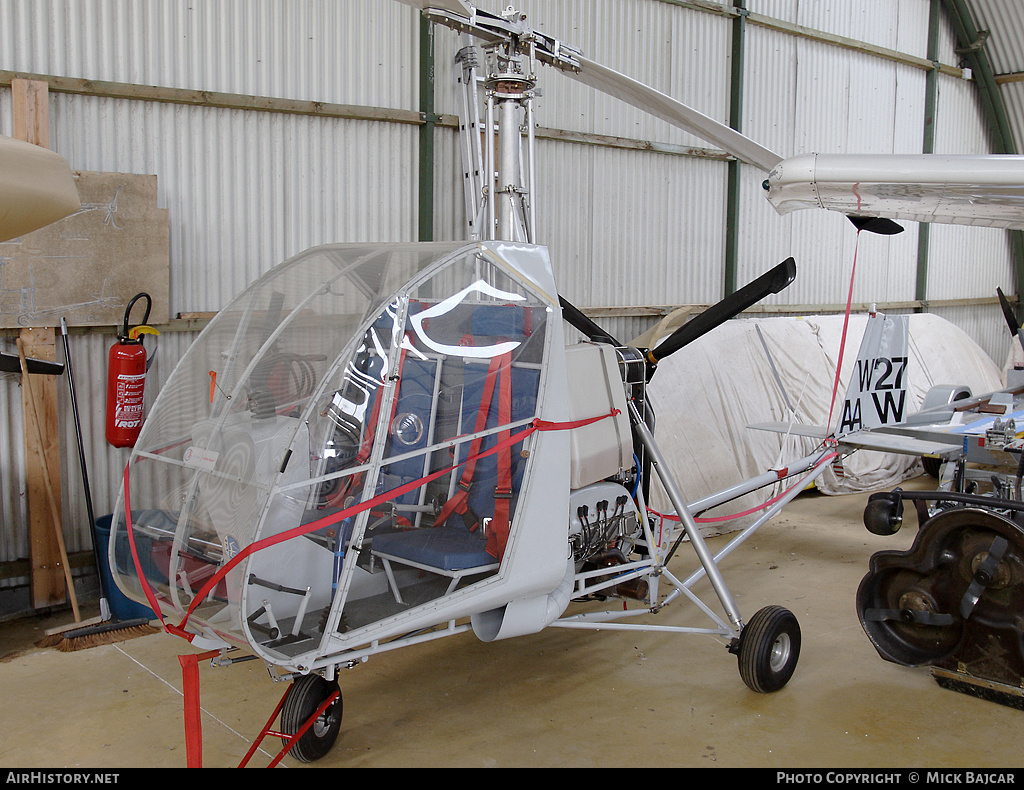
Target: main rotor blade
<point>491,28</point>
<point>455,6</point>
<point>676,113</point>
<point>771,282</point>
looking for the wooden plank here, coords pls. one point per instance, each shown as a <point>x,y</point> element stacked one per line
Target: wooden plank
<point>228,101</point>
<point>42,471</point>
<point>30,113</point>
<point>86,267</point>
<point>29,106</point>
<point>46,448</point>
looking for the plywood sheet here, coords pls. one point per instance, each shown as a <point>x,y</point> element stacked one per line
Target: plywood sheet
<point>88,266</point>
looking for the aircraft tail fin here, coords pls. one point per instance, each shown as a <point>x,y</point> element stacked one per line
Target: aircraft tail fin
<point>877,392</point>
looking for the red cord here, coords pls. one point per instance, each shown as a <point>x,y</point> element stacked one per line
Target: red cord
<point>842,342</point>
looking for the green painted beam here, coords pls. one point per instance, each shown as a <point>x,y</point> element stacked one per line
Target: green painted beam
<point>732,208</point>
<point>931,96</point>
<point>425,177</point>
<point>974,53</point>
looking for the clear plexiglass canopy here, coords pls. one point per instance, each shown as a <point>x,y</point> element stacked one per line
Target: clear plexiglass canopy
<point>396,375</point>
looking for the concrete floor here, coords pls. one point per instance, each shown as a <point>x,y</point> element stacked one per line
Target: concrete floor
<point>556,699</point>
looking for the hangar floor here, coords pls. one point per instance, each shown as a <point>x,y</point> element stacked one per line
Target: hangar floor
<point>560,698</point>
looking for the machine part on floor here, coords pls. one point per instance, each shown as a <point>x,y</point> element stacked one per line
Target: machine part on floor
<point>106,629</point>
<point>953,601</point>
<point>1001,693</point>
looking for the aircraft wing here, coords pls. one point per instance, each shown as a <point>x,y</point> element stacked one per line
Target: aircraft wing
<point>793,429</point>
<point>882,441</point>
<point>900,444</point>
<point>959,190</point>
<point>36,188</point>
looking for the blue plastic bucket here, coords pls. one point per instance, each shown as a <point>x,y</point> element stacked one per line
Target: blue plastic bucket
<point>121,607</point>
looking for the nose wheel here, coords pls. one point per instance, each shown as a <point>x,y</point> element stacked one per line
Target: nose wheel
<point>305,696</point>
<point>768,649</point>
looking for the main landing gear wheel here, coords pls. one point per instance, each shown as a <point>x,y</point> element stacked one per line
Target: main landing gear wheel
<point>304,696</point>
<point>769,647</point>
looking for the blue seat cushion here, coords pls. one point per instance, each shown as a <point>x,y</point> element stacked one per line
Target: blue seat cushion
<point>446,548</point>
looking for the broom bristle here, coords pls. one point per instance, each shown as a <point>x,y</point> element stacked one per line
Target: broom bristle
<point>105,638</point>
<point>51,640</point>
<point>105,634</point>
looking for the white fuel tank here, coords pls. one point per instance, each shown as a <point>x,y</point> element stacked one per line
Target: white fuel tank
<point>603,448</point>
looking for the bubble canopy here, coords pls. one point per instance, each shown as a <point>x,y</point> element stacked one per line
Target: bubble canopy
<point>343,453</point>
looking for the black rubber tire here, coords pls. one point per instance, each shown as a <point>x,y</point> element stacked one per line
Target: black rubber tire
<point>932,466</point>
<point>880,517</point>
<point>304,696</point>
<point>769,649</point>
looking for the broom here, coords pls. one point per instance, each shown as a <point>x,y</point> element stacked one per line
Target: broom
<point>108,629</point>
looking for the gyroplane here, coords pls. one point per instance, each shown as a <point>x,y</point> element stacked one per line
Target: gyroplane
<point>377,445</point>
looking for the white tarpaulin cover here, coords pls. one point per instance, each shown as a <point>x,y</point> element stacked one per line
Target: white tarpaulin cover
<point>708,393</point>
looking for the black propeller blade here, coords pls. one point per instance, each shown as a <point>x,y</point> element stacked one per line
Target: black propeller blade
<point>585,325</point>
<point>1008,314</point>
<point>879,225</point>
<point>771,282</point>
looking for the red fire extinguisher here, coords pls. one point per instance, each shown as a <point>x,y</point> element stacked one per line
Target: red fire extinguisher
<point>126,379</point>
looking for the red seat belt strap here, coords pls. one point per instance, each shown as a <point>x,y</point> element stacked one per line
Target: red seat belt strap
<point>497,534</point>
<point>457,503</point>
<point>192,713</point>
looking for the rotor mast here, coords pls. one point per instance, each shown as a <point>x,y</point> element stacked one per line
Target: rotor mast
<point>500,175</point>
<point>509,90</point>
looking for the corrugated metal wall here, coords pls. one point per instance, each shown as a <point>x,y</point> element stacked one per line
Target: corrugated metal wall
<point>632,217</point>
<point>245,190</point>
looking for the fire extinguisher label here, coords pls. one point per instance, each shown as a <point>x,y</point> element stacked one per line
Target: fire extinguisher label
<point>129,401</point>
